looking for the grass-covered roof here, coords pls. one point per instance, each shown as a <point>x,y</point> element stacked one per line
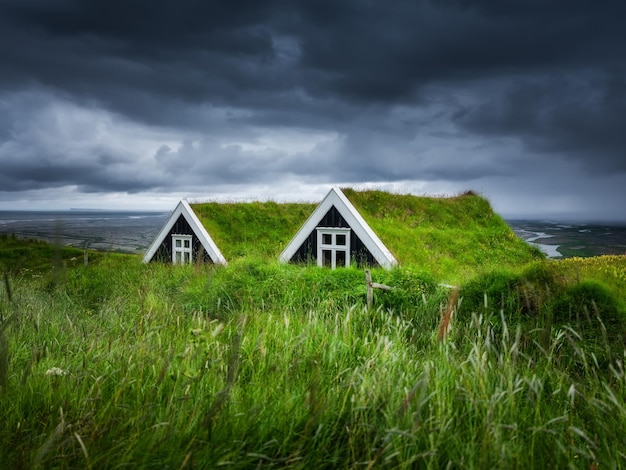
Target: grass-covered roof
<point>452,237</point>
<point>252,228</point>
<point>448,236</point>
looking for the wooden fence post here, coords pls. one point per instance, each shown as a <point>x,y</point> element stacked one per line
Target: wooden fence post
<point>370,290</point>
<point>7,285</point>
<point>370,286</point>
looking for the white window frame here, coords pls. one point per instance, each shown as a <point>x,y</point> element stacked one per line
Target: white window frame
<point>186,252</point>
<point>333,247</point>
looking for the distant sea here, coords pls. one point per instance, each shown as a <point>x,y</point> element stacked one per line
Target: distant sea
<point>128,232</point>
<point>132,232</point>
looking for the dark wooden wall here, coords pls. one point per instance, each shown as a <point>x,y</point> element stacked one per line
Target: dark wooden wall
<point>307,252</point>
<point>181,227</point>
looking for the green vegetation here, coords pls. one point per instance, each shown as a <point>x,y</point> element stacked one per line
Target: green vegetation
<point>559,288</point>
<point>258,364</point>
<point>260,229</point>
<point>546,296</point>
<point>19,255</point>
<point>451,237</point>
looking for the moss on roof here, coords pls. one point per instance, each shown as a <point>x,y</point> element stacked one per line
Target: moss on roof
<point>451,237</point>
<point>252,228</point>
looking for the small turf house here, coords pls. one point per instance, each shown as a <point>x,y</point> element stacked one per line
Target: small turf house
<point>183,240</point>
<point>335,235</point>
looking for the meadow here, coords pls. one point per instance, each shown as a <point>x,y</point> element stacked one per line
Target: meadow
<point>260,365</point>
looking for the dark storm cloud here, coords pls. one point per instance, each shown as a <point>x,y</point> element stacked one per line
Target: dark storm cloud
<point>581,117</point>
<point>385,52</point>
<point>132,57</point>
<point>367,51</point>
<point>100,175</point>
<point>208,78</point>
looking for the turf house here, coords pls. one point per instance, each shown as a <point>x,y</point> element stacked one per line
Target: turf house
<point>183,239</point>
<point>335,235</point>
<point>347,228</point>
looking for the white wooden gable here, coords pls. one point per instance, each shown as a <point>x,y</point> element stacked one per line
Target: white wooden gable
<point>183,208</point>
<point>338,199</point>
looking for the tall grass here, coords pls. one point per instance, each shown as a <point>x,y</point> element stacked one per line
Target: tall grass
<point>264,365</point>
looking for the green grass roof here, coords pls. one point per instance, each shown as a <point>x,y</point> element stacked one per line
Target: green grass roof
<point>252,228</point>
<point>451,237</point>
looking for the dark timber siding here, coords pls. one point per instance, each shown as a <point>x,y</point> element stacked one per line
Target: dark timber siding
<point>358,252</point>
<point>181,227</point>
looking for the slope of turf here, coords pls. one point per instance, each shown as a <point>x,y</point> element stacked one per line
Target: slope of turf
<point>451,237</point>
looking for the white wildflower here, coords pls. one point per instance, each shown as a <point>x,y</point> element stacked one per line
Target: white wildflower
<point>571,393</point>
<point>218,329</point>
<point>57,371</point>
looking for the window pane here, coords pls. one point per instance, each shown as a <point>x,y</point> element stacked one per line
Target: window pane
<point>340,258</point>
<point>178,244</point>
<point>186,243</point>
<point>327,258</point>
<point>340,239</point>
<point>327,239</point>
<point>178,257</point>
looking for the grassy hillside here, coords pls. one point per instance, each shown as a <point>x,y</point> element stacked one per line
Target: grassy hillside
<point>265,365</point>
<point>18,255</point>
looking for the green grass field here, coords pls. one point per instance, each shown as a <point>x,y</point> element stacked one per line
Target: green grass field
<point>261,365</point>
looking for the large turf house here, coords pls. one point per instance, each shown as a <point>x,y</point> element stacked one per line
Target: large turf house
<point>371,228</point>
<point>336,235</point>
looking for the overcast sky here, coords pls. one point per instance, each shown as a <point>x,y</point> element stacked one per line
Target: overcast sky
<point>135,104</point>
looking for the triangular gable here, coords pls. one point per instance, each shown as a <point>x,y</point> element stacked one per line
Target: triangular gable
<point>183,209</point>
<point>335,198</point>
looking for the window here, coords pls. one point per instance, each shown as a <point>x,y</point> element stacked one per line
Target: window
<point>181,249</point>
<point>333,247</point>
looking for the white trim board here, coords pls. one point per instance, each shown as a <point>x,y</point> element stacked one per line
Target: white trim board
<point>183,208</point>
<point>337,198</point>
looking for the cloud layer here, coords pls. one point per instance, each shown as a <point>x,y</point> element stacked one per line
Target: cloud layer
<point>521,100</point>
